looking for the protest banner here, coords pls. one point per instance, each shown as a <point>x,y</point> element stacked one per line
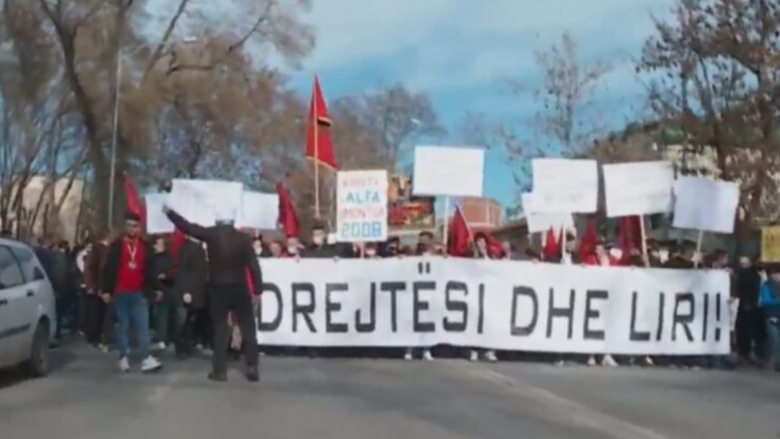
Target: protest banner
<point>449,171</point>
<point>770,244</point>
<point>361,210</point>
<point>542,222</point>
<point>259,211</point>
<point>504,305</point>
<point>565,186</point>
<point>201,201</point>
<point>641,188</point>
<point>156,220</point>
<point>705,205</point>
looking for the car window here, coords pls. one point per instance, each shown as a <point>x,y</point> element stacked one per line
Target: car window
<point>10,273</point>
<point>27,260</point>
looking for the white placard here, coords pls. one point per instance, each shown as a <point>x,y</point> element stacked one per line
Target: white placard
<point>702,204</point>
<point>201,201</point>
<point>156,220</point>
<point>564,185</point>
<point>641,188</point>
<point>259,211</point>
<point>542,222</point>
<point>361,214</point>
<point>448,171</point>
<point>508,305</point>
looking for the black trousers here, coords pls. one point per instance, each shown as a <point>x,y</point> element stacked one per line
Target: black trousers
<point>94,310</point>
<point>749,331</point>
<point>234,299</point>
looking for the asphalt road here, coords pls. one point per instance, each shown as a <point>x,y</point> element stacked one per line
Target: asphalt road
<point>299,398</point>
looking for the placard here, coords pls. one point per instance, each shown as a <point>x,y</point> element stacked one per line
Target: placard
<point>361,214</point>
<point>156,220</point>
<point>202,201</point>
<point>542,222</point>
<point>770,244</point>
<point>507,305</point>
<point>563,185</point>
<point>259,211</point>
<point>641,188</point>
<point>702,204</point>
<point>449,171</point>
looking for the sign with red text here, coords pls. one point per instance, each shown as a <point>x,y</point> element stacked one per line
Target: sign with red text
<point>361,214</point>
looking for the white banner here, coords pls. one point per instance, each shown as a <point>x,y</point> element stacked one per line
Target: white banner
<point>505,305</point>
<point>259,211</point>
<point>640,188</point>
<point>201,201</point>
<point>450,171</point>
<point>156,220</point>
<point>542,222</point>
<point>702,204</point>
<point>563,185</point>
<point>361,213</point>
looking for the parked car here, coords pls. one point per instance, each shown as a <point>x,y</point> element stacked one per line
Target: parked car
<point>27,309</point>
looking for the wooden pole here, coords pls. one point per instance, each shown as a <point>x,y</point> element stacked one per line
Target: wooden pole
<point>316,162</point>
<point>645,258</point>
<point>446,236</point>
<point>698,249</point>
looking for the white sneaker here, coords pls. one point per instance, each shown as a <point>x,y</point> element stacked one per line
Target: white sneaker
<point>608,361</point>
<point>592,361</point>
<point>408,356</point>
<point>150,364</point>
<point>491,356</point>
<point>159,346</point>
<point>649,362</point>
<point>427,355</point>
<point>474,356</point>
<point>103,348</point>
<point>124,365</point>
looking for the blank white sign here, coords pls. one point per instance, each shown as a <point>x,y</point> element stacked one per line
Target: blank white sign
<point>542,222</point>
<point>564,185</point>
<point>259,211</point>
<point>702,204</point>
<point>641,188</point>
<point>200,201</point>
<point>450,171</point>
<point>156,220</point>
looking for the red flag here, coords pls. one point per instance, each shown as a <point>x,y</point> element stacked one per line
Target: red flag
<point>630,237</point>
<point>495,247</point>
<point>459,242</point>
<point>134,204</point>
<point>319,144</point>
<point>176,242</point>
<point>589,241</point>
<point>552,248</point>
<point>288,218</point>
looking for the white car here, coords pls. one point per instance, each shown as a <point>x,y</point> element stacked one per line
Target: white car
<point>27,309</point>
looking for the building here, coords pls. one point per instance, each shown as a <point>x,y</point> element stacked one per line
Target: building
<point>482,213</point>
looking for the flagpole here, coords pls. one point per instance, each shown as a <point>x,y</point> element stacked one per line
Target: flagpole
<point>446,221</point>
<point>645,258</point>
<point>316,156</point>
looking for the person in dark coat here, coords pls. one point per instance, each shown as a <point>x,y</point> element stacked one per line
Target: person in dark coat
<point>746,289</point>
<point>230,254</point>
<point>165,301</point>
<point>191,289</point>
<point>319,247</point>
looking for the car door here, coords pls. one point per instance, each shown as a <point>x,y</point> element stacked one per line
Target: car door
<point>38,299</point>
<point>13,298</point>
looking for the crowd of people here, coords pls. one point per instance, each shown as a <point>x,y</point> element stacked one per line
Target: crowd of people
<point>194,290</point>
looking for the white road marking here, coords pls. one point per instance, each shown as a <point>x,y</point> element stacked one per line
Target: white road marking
<point>577,413</point>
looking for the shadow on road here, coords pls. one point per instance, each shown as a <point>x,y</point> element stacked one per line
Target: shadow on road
<point>59,359</point>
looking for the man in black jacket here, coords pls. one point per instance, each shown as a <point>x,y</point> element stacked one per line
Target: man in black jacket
<point>746,289</point>
<point>191,289</point>
<point>230,254</point>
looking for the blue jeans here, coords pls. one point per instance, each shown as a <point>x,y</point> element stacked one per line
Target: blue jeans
<point>132,308</point>
<point>773,340</point>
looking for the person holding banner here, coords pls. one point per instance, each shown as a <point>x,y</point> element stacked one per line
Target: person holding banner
<point>482,251</point>
<point>425,246</point>
<point>230,254</point>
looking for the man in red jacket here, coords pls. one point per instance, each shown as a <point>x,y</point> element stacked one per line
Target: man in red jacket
<point>126,279</point>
